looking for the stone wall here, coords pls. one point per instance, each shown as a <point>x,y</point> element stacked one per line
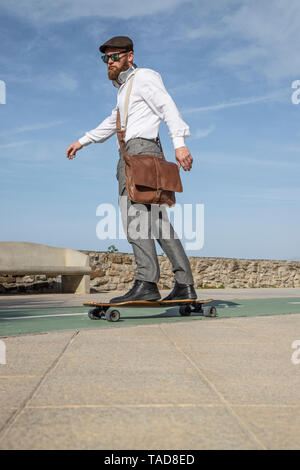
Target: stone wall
<point>33,284</point>
<point>115,271</point>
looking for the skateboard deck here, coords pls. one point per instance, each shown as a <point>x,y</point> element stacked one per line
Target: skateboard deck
<point>110,312</point>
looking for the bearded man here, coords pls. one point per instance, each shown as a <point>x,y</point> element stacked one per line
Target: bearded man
<point>149,104</point>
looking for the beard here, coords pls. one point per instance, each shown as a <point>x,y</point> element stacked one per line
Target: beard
<point>115,69</point>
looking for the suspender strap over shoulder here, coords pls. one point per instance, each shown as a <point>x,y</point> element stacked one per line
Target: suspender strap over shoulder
<point>126,103</point>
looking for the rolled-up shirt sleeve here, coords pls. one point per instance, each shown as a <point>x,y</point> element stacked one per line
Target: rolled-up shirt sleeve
<point>104,131</point>
<point>161,103</point>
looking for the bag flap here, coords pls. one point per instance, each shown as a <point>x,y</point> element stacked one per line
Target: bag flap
<point>155,173</point>
<point>169,176</point>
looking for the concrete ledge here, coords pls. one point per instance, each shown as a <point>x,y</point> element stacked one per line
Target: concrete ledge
<point>21,258</point>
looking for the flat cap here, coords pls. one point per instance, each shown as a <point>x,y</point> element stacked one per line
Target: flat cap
<point>123,42</point>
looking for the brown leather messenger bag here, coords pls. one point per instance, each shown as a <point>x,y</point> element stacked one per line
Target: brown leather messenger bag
<point>149,179</point>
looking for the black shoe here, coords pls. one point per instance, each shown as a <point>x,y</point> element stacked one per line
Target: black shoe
<point>141,290</point>
<point>182,292</point>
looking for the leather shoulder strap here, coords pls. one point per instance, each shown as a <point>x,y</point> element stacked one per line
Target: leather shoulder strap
<point>121,136</point>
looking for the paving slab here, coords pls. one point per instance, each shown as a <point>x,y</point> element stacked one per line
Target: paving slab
<point>32,355</point>
<point>98,371</point>
<point>276,426</point>
<point>136,428</point>
<point>243,366</point>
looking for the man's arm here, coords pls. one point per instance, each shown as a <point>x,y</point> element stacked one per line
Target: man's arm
<point>157,97</point>
<point>106,129</point>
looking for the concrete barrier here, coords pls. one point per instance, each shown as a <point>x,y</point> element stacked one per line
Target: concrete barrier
<point>21,258</point>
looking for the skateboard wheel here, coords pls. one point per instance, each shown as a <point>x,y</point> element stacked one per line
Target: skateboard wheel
<point>213,312</point>
<point>94,313</point>
<point>112,315</point>
<point>210,311</point>
<point>185,310</point>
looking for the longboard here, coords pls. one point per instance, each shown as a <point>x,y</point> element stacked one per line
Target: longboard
<point>111,313</point>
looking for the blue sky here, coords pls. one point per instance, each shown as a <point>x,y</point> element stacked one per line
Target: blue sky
<point>228,65</point>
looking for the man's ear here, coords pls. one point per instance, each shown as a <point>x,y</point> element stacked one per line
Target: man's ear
<point>130,57</point>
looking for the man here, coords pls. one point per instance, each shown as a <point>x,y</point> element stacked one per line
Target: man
<point>149,104</point>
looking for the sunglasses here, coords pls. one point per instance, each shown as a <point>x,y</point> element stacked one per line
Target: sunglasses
<point>114,57</point>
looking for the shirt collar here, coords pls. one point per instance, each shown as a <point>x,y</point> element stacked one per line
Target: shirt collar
<point>123,76</point>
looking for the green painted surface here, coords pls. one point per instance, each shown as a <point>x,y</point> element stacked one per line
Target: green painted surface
<point>39,320</point>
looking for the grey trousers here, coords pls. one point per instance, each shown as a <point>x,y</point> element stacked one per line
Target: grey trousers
<point>142,223</point>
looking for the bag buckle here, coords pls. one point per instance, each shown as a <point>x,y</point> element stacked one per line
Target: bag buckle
<point>158,192</point>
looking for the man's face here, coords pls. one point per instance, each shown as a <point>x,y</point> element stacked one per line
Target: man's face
<point>114,68</point>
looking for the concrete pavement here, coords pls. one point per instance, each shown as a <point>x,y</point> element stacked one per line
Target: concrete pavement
<point>232,383</point>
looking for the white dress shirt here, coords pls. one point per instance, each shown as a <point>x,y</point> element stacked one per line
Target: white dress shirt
<point>149,104</point>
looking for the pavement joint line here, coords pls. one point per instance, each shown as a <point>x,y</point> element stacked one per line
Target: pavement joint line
<point>147,405</point>
<point>164,405</point>
<point>13,418</point>
<point>228,406</point>
<point>18,376</point>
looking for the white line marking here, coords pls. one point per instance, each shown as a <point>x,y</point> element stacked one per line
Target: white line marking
<point>229,306</point>
<point>45,316</point>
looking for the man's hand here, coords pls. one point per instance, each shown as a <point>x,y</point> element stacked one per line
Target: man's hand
<point>184,158</point>
<point>72,149</point>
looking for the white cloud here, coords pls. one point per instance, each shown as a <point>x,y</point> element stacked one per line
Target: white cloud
<point>242,56</point>
<point>265,162</point>
<point>32,127</point>
<point>275,194</point>
<point>96,30</point>
<point>246,101</point>
<point>257,36</point>
<point>15,144</point>
<point>267,35</point>
<point>240,159</point>
<point>63,10</point>
<point>61,82</point>
<point>191,86</point>
<point>292,148</point>
<point>204,32</point>
<point>266,24</point>
<point>201,133</point>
